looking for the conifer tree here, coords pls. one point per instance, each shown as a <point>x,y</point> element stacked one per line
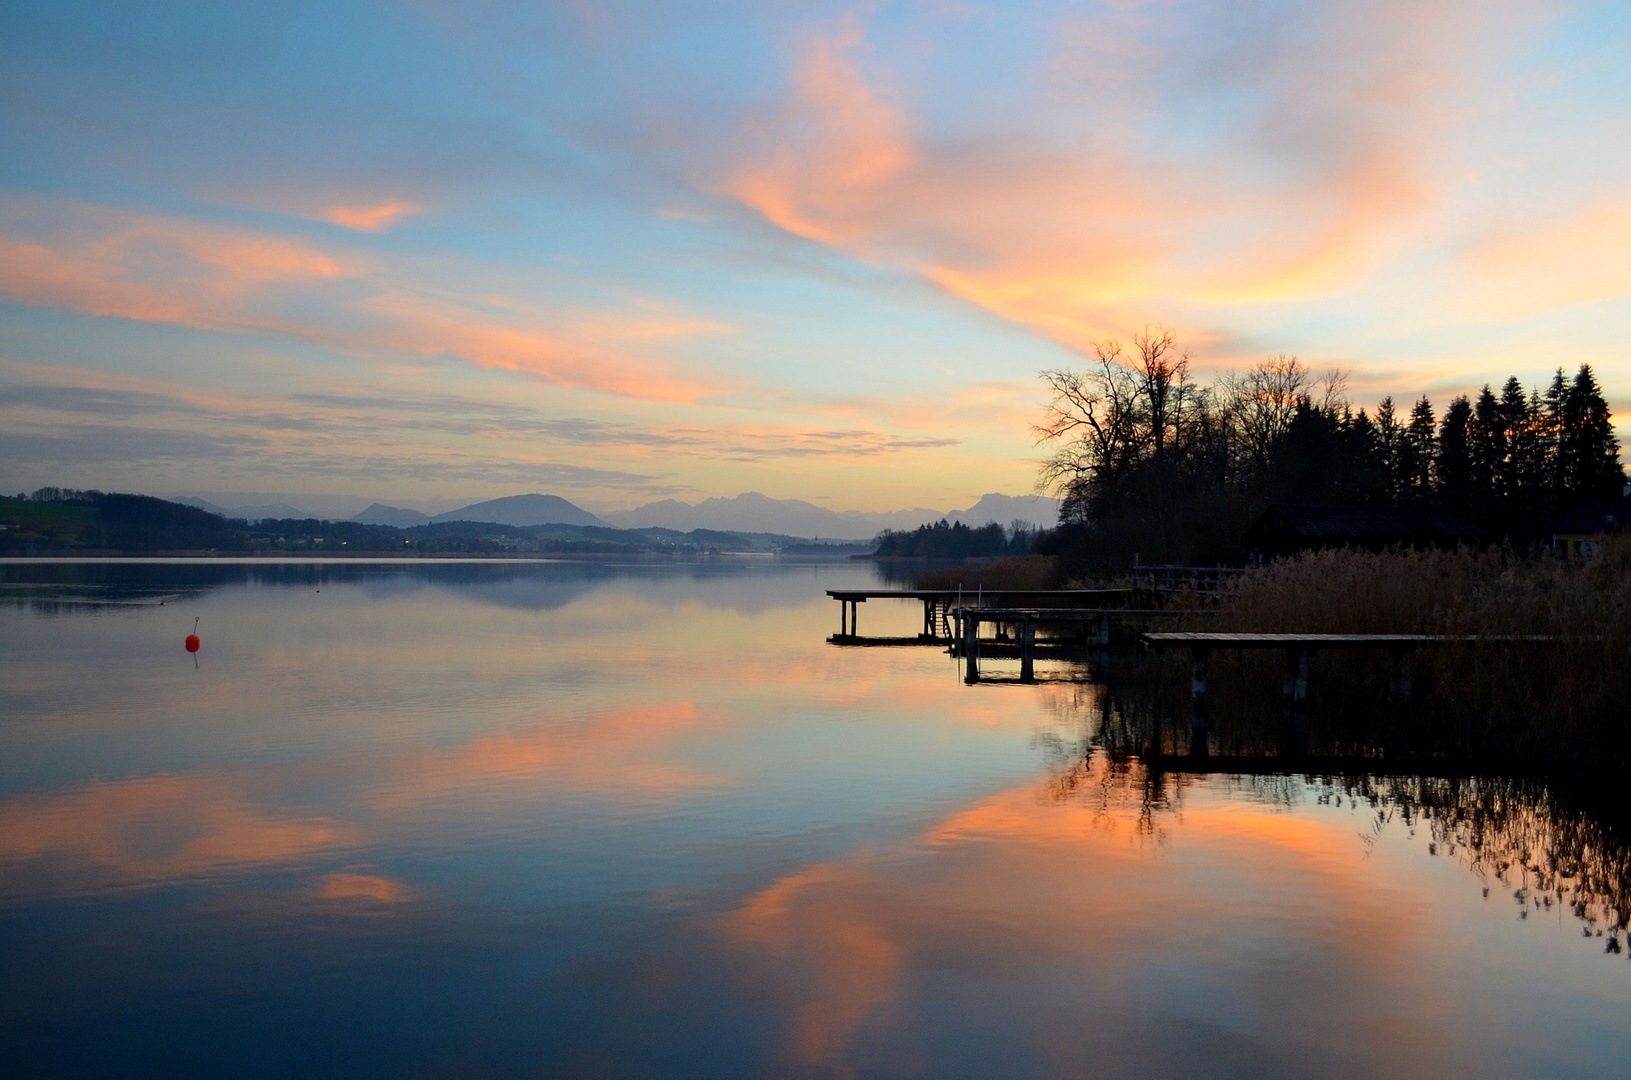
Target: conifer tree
<point>1389,440</point>
<point>1512,481</point>
<point>1588,451</point>
<point>1452,470</point>
<point>1486,450</point>
<point>1553,424</point>
<point>1370,478</point>
<point>1416,452</point>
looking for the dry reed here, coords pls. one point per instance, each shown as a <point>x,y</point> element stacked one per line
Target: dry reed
<point>1566,698</point>
<point>1020,572</point>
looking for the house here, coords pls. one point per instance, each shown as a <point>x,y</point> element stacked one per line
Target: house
<point>1579,532</point>
<point>1284,529</point>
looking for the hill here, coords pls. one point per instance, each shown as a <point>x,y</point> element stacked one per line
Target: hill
<point>380,514</point>
<point>523,510</point>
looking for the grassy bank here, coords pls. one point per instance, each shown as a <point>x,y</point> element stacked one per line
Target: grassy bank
<point>1564,700</point>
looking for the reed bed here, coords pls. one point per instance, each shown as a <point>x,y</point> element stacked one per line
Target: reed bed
<point>1019,572</point>
<point>1563,699</point>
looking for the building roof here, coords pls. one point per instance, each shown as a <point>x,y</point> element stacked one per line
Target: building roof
<point>1346,524</point>
<point>1595,517</point>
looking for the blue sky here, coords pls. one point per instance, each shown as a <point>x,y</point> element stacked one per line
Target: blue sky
<point>627,251</point>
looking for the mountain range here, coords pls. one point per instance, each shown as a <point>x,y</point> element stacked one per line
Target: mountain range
<point>749,512</point>
<point>753,512</point>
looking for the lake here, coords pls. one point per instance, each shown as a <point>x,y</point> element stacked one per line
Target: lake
<point>577,819</point>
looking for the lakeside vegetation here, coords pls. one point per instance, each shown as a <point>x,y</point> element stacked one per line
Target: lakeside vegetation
<point>954,540</point>
<point>1151,464</point>
<point>1547,683</point>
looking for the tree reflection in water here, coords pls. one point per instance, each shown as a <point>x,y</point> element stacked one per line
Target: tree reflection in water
<point>1561,839</point>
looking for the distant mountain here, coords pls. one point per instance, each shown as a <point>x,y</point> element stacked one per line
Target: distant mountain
<point>304,504</point>
<point>1007,509</point>
<point>380,514</point>
<point>248,513</point>
<point>271,510</point>
<point>522,510</point>
<point>202,504</point>
<point>753,512</point>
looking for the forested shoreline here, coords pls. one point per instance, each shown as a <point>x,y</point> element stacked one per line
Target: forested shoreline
<point>1150,463</point>
<point>61,521</point>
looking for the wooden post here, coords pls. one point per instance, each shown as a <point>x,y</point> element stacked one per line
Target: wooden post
<point>1295,697</point>
<point>1027,642</point>
<point>971,648</point>
<point>1198,659</point>
<point>1401,676</point>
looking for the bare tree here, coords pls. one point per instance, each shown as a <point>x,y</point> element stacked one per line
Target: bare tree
<point>1123,413</point>
<point>1093,416</point>
<point>1261,402</point>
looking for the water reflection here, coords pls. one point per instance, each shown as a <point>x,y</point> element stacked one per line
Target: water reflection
<point>594,821</point>
<point>69,587</point>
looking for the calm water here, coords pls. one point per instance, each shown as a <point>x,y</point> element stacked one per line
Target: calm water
<point>468,819</point>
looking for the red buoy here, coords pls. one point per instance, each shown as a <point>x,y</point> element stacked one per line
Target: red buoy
<point>193,641</point>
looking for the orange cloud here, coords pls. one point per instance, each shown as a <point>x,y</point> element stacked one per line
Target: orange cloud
<point>591,350</point>
<point>112,263</point>
<point>372,218</point>
<point>834,147</point>
<point>1569,260</point>
<point>1104,230</point>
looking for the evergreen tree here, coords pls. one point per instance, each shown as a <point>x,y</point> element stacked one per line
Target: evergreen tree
<point>1368,479</point>
<point>1588,451</point>
<point>1453,469</point>
<point>1416,452</point>
<point>1512,479</point>
<point>1553,424</point>
<point>1486,450</point>
<point>1389,441</point>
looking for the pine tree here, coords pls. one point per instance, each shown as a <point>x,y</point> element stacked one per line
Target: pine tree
<point>1486,450</point>
<point>1513,480</point>
<point>1553,423</point>
<point>1587,448</point>
<point>1369,482</point>
<point>1416,452</point>
<point>1389,440</point>
<point>1452,470</point>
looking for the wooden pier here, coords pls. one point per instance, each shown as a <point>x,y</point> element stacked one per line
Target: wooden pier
<point>938,605</point>
<point>1016,633</point>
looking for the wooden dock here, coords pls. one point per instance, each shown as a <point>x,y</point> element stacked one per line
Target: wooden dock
<point>938,604</point>
<point>1016,628</point>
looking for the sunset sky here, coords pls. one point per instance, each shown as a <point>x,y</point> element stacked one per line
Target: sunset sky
<point>626,251</point>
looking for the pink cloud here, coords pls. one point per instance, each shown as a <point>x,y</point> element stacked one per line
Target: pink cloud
<point>380,218</point>
<point>1105,227</point>
<point>1573,258</point>
<point>158,269</point>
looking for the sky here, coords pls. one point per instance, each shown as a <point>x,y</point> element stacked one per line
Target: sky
<point>621,252</point>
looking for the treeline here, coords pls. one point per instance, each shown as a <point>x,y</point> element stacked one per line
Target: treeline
<point>944,540</point>
<point>1149,462</point>
<point>65,520</point>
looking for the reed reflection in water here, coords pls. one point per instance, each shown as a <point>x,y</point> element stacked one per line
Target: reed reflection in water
<point>636,821</point>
